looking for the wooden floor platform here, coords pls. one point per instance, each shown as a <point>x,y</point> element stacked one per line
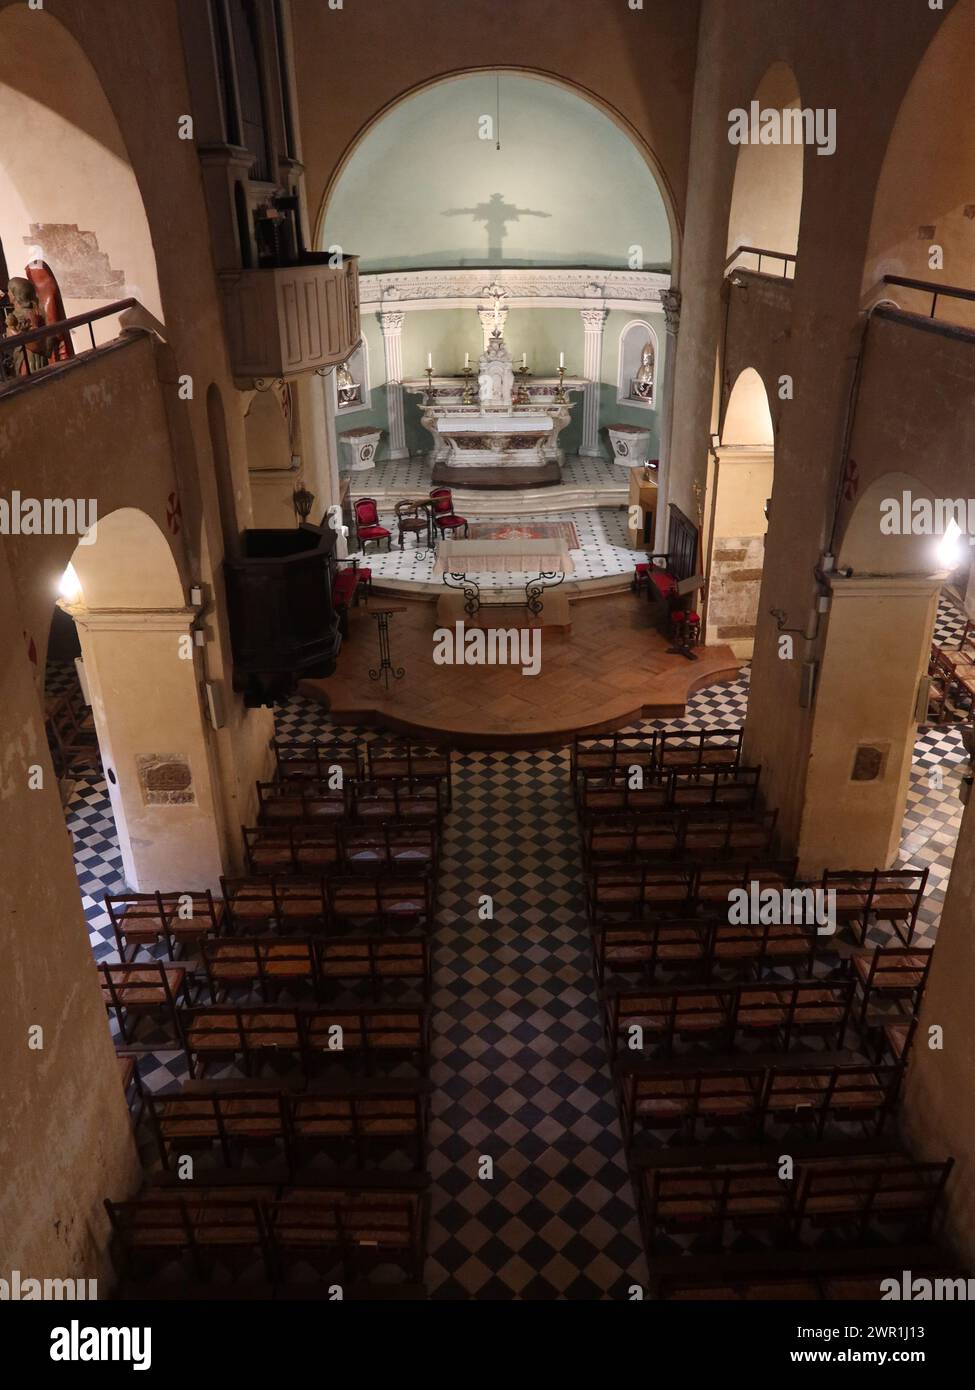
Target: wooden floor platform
<point>612,669</point>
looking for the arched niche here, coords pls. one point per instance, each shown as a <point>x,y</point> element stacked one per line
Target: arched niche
<point>68,194</point>
<point>922,226</point>
<point>766,200</point>
<point>636,338</point>
<point>423,188</point>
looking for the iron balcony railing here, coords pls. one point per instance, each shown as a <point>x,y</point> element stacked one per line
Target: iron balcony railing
<point>787,258</point>
<point>46,338</point>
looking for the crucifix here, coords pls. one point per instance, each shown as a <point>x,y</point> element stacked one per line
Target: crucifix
<point>497,294</point>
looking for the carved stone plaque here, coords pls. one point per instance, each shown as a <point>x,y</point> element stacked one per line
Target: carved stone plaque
<point>166,779</point>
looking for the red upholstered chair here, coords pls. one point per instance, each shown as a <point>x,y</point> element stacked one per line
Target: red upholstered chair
<point>686,626</point>
<point>347,586</point>
<point>367,522</point>
<point>444,517</point>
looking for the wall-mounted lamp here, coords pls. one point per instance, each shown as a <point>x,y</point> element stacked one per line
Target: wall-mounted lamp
<point>302,500</point>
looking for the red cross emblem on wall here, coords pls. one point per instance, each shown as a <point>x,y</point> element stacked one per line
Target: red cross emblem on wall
<point>851,482</point>
<point>174,513</point>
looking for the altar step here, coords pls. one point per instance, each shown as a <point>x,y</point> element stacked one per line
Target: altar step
<point>511,479</point>
<point>573,589</point>
<point>530,503</point>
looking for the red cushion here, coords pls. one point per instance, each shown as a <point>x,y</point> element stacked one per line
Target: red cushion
<point>451,520</point>
<point>677,616</point>
<point>693,618</point>
<point>363,575</point>
<point>642,569</point>
<point>344,586</point>
<point>665,583</point>
<point>368,533</point>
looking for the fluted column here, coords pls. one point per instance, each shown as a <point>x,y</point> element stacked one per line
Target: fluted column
<point>593,322</point>
<point>391,322</point>
<point>670,300</point>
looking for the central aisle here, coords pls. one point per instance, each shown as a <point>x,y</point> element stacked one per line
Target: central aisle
<point>520,1072</point>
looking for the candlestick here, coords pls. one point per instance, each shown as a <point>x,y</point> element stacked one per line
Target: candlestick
<point>468,385</point>
<point>522,397</point>
<point>429,360</point>
<point>560,395</point>
<point>561,359</point>
<point>429,384</point>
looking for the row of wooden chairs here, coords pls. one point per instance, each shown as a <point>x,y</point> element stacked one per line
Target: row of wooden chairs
<point>303,847</point>
<point>71,734</point>
<point>700,948</point>
<point>724,1017</point>
<point>749,1099</point>
<point>856,898</point>
<point>852,1197</point>
<point>370,1035</point>
<point>697,833</point>
<point>356,802</point>
<point>314,903</point>
<point>667,789</point>
<point>645,891</point>
<point>349,1229</point>
<point>373,760</point>
<point>160,993</point>
<point>336,1123</point>
<point>660,748</point>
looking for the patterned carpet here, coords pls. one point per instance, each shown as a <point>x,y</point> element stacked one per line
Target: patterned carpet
<point>520,1074</point>
<point>526,531</point>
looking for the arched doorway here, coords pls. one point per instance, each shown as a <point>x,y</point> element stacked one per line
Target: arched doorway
<point>740,493</point>
<point>135,633</point>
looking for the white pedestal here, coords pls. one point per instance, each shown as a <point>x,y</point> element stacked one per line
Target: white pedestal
<point>362,444</point>
<point>630,444</point>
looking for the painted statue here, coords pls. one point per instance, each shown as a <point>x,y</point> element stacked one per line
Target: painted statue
<point>42,277</point>
<point>21,314</point>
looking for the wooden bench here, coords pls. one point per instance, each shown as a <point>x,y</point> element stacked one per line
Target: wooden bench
<point>394,759</point>
<point>318,762</point>
<point>263,963</point>
<point>275,902</point>
<point>302,799</point>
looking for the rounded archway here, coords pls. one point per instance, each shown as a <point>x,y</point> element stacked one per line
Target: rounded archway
<point>68,194</point>
<point>495,193</point>
<point>147,759</point>
<point>740,494</point>
<point>766,199</point>
<point>923,224</point>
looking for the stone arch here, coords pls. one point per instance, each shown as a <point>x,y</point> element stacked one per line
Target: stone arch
<point>68,192</point>
<point>766,198</point>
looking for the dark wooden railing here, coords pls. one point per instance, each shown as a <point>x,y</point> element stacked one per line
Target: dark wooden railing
<point>930,287</point>
<point>788,258</point>
<point>48,334</point>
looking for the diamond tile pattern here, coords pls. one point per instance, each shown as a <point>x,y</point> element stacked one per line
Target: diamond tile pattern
<point>531,1196</point>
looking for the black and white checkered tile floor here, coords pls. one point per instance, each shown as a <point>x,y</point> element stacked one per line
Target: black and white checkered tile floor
<point>519,1075</point>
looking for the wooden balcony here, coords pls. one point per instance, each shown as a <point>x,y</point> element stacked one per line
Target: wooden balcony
<point>286,321</point>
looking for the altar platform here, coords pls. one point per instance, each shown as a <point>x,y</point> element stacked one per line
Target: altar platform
<point>612,670</point>
<point>502,479</point>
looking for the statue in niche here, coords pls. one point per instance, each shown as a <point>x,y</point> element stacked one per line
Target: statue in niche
<point>495,376</point>
<point>642,386</point>
<point>21,314</point>
<point>346,386</point>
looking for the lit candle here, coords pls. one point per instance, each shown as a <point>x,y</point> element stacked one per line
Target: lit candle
<point>467,360</point>
<point>561,359</point>
<point>524,359</point>
<point>429,359</point>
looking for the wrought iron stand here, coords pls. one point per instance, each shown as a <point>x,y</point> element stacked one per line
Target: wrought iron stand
<point>385,668</point>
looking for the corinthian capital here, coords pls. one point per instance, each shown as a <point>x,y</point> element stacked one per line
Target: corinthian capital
<point>391,321</point>
<point>593,319</point>
<point>670,299</point>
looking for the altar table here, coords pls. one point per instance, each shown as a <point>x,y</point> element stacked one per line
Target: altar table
<point>546,561</point>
